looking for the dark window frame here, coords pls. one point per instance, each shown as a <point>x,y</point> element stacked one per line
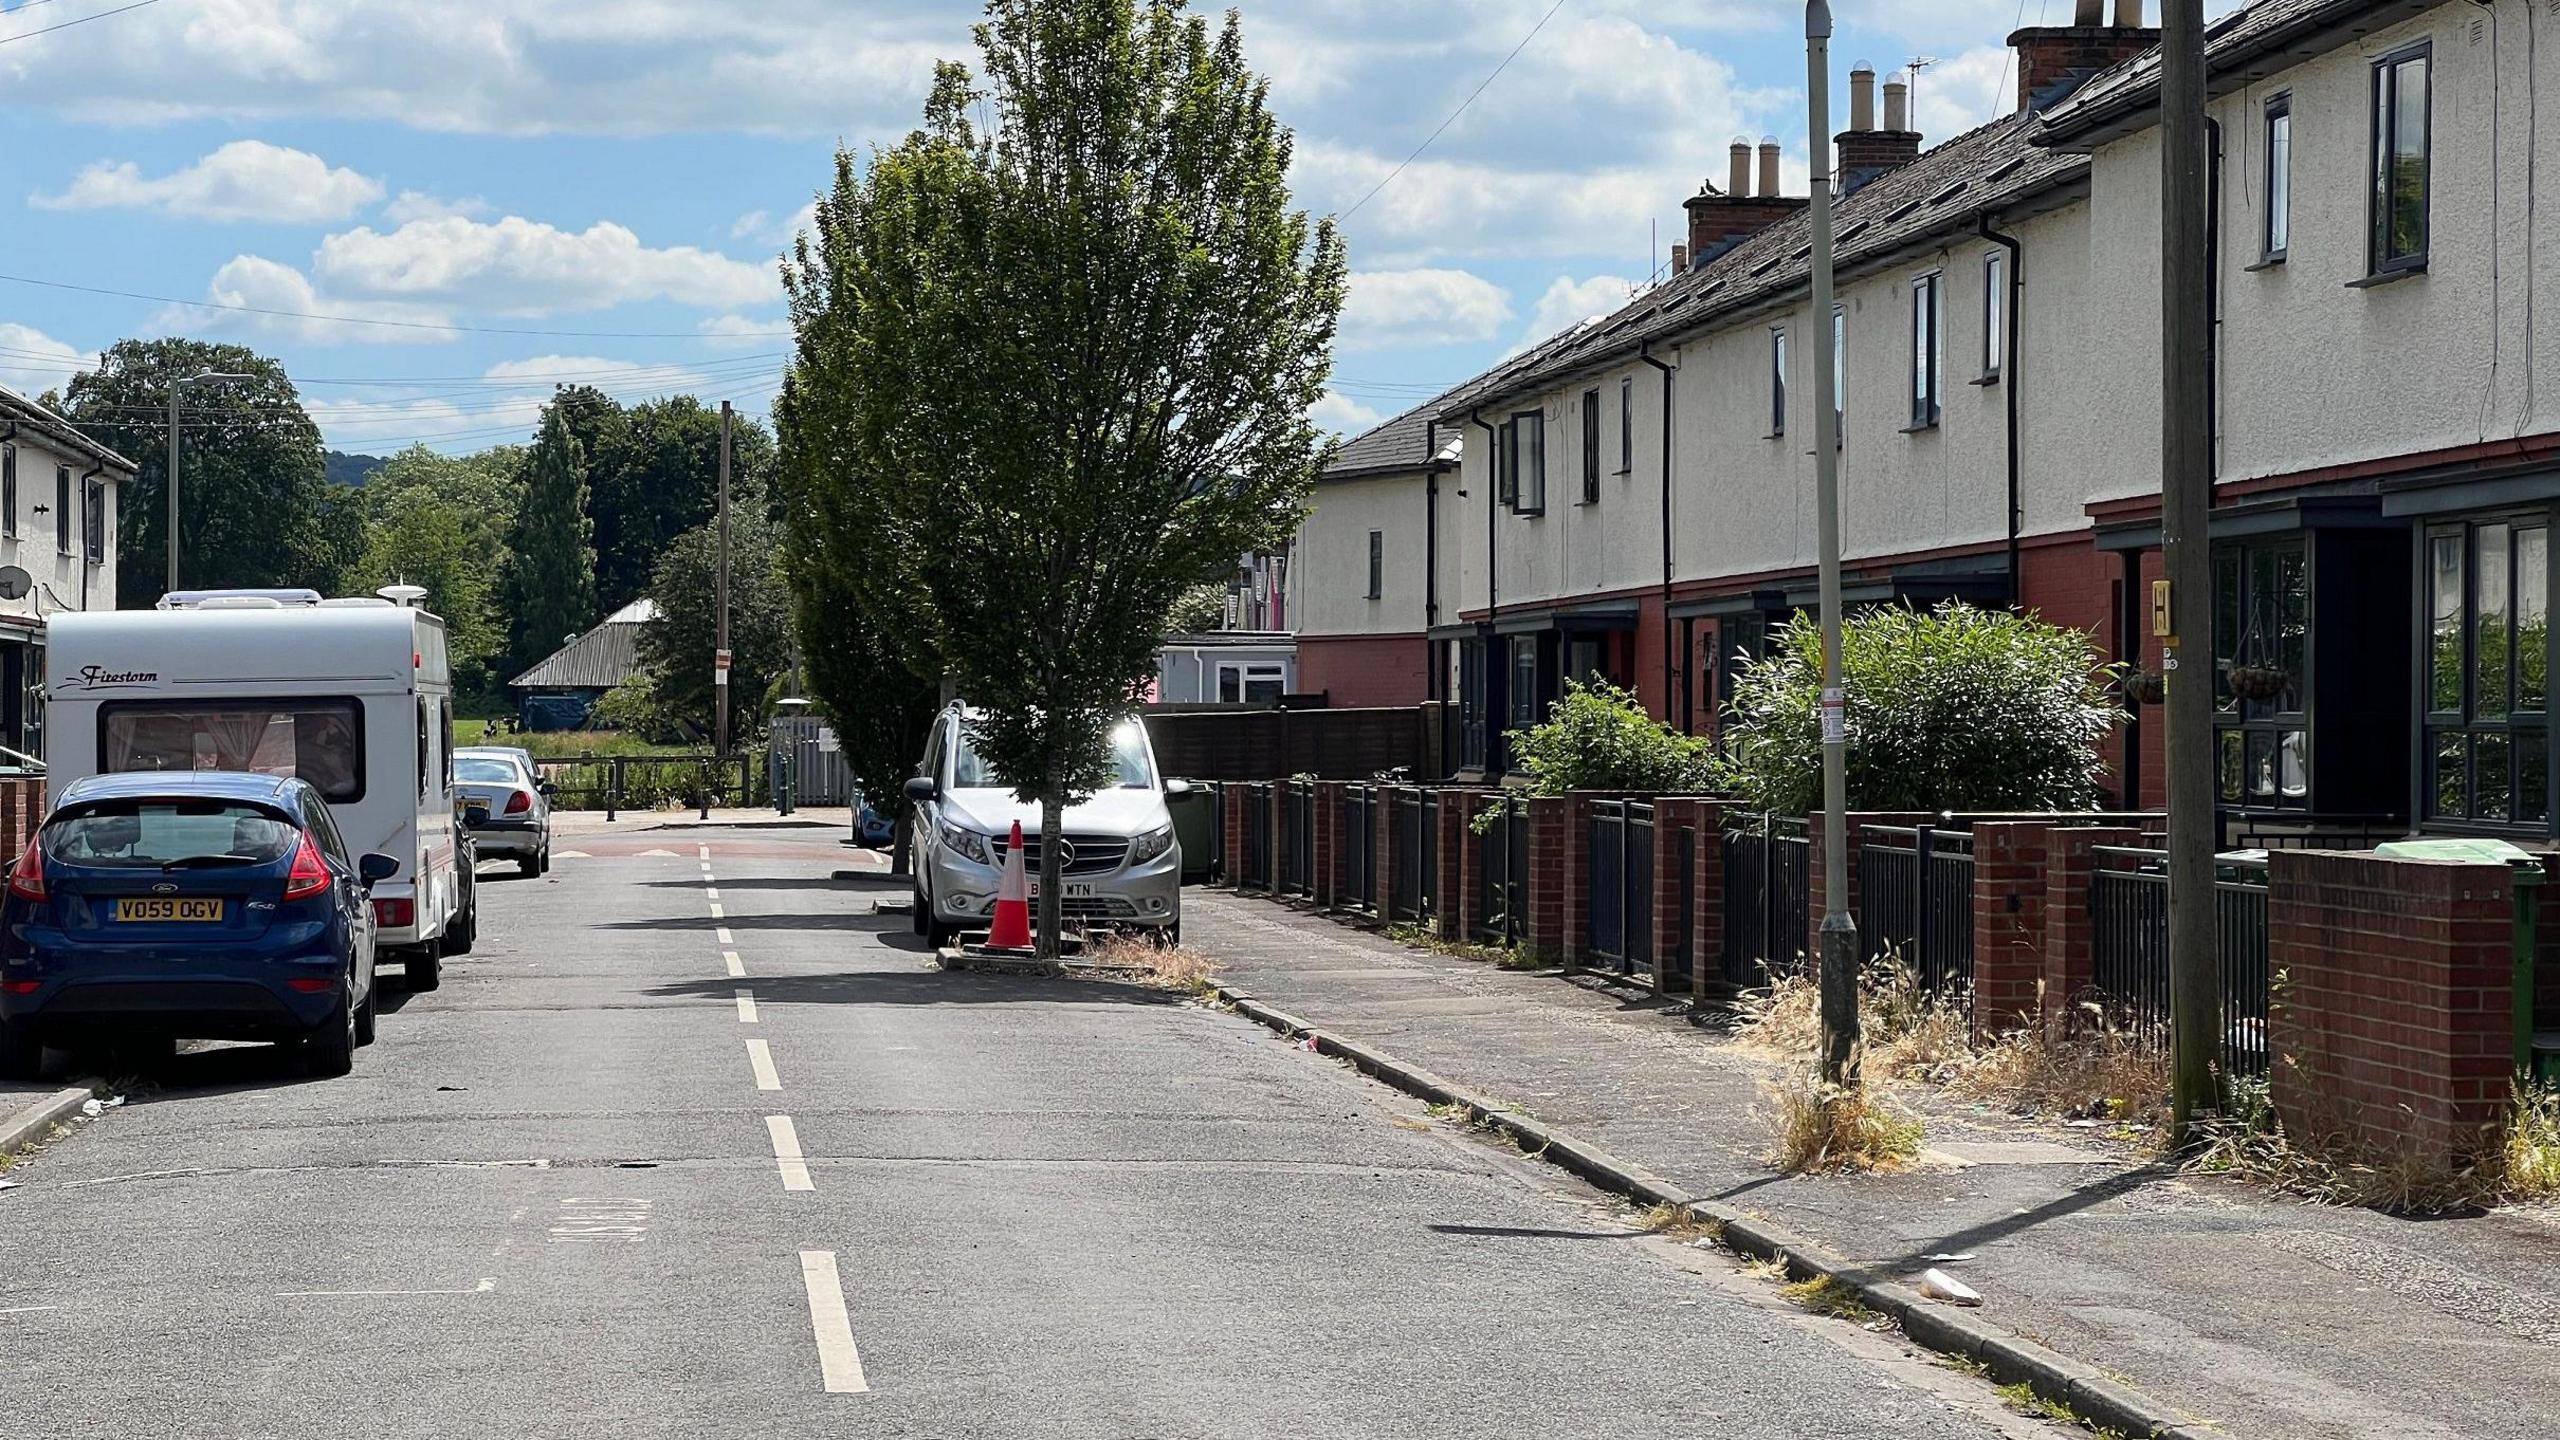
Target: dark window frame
<point>93,522</point>
<point>2380,260</point>
<point>1928,349</point>
<point>2245,732</point>
<point>1627,425</point>
<point>2521,729</point>
<point>1591,446</point>
<point>1528,469</point>
<point>1778,358</point>
<point>2275,187</point>
<point>1377,564</point>
<point>62,509</point>
<point>9,491</point>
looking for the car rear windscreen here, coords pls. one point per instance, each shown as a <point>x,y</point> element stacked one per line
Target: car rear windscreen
<point>487,772</point>
<point>159,833</point>
<point>320,741</point>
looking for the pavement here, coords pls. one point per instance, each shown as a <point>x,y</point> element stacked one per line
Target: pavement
<point>2256,1316</point>
<point>697,1144</point>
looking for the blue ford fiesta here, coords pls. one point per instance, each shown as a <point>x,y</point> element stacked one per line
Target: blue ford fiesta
<point>209,906</point>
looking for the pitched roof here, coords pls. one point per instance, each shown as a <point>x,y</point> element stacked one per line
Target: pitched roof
<point>17,409</point>
<point>1980,172</point>
<point>2240,49</point>
<point>1400,444</point>
<point>602,658</point>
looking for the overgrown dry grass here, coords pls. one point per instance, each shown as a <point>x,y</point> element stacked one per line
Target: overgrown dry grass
<point>2337,1171</point>
<point>1828,1295</point>
<point>1831,1129</point>
<point>1905,1030</point>
<point>1172,966</point>
<point>2100,1075</point>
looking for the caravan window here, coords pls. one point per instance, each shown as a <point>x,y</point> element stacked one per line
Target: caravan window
<point>320,741</point>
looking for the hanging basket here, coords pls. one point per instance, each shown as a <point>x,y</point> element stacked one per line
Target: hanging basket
<point>2258,682</point>
<point>2145,687</point>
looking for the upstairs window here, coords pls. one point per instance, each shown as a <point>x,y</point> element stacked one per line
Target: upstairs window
<point>94,517</point>
<point>1525,452</point>
<point>1928,316</point>
<point>62,508</point>
<point>2400,160</point>
<point>1839,375</point>
<point>8,490</point>
<point>1590,447</point>
<point>2278,235</point>
<point>1777,383</point>
<point>1377,563</point>
<point>1995,313</point>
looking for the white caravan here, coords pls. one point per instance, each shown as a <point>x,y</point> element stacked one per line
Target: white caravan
<point>353,696</point>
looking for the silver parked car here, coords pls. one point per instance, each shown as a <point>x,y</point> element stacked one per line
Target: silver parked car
<point>1123,869</point>
<point>505,806</point>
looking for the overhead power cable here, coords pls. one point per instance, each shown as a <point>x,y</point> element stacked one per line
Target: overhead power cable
<point>693,335</point>
<point>1461,110</point>
<point>67,24</point>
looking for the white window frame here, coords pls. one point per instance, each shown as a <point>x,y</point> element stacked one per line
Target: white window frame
<point>1247,673</point>
<point>1928,349</point>
<point>2275,233</point>
<point>1995,314</point>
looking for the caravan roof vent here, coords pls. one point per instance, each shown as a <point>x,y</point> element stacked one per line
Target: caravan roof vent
<point>403,594</point>
<point>221,599</point>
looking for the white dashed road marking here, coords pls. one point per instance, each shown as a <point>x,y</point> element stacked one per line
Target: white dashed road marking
<point>760,1055</point>
<point>839,1364</point>
<point>786,1153</point>
<point>737,967</point>
<point>716,912</point>
<point>714,893</point>
<point>746,1007</point>
<point>487,1284</point>
<point>724,936</point>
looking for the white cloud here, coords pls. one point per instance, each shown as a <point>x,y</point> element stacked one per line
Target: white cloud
<point>762,227</point>
<point>1972,89</point>
<point>525,267</point>
<point>1391,309</point>
<point>1568,302</point>
<point>1343,415</point>
<point>273,298</point>
<point>419,205</point>
<point>32,362</point>
<point>747,332</point>
<point>244,180</point>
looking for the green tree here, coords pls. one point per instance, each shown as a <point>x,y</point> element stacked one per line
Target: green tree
<point>442,521</point>
<point>1598,737</point>
<point>1951,709</point>
<point>678,649</point>
<point>548,580</point>
<point>665,480</point>
<point>1063,368</point>
<point>254,509</point>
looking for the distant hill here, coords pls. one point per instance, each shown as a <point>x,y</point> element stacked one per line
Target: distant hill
<point>351,469</point>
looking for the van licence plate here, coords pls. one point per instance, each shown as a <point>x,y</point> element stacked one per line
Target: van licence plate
<point>1075,889</point>
<point>181,911</point>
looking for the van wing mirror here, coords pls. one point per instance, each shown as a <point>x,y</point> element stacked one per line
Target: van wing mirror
<point>374,869</point>
<point>922,790</point>
<point>1178,787</point>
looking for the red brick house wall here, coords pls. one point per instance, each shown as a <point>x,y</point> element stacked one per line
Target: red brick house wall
<point>1357,671</point>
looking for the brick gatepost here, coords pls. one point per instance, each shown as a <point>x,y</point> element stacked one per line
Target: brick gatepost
<point>2070,926</point>
<point>1231,833</point>
<point>1817,882</point>
<point>21,811</point>
<point>1327,855</point>
<point>1706,974</point>
<point>1672,818</point>
<point>2009,884</point>
<point>1575,934</point>
<point>1551,873</point>
<point>1451,916</point>
<point>2395,1025</point>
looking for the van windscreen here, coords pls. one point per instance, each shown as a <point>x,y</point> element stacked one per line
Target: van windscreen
<point>318,741</point>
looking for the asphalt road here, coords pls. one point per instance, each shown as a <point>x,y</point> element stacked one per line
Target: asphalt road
<point>587,1189</point>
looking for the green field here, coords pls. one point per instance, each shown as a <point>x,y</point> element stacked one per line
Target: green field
<point>566,744</point>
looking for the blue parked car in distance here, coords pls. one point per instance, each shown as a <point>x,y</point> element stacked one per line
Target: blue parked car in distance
<point>157,906</point>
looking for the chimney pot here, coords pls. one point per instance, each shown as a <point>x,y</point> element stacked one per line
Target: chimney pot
<point>1897,106</point>
<point>1862,98</point>
<point>1739,181</point>
<point>2054,60</point>
<point>1679,259</point>
<point>2089,13</point>
<point>1768,169</point>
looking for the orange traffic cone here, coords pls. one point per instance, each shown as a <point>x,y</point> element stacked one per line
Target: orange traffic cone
<point>1012,928</point>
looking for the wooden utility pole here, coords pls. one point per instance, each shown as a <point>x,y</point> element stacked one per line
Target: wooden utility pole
<point>720,661</point>
<point>2184,615</point>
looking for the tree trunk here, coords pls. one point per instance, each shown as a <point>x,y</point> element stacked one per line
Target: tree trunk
<point>1053,805</point>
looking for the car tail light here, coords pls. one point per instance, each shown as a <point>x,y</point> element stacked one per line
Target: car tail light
<point>22,987</point>
<point>395,914</point>
<point>312,987</point>
<point>27,881</point>
<point>519,802</point>
<point>309,876</point>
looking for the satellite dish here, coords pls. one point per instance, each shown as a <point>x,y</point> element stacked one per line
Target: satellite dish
<point>15,583</point>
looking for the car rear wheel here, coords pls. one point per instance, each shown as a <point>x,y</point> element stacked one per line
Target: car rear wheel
<point>463,931</point>
<point>529,866</point>
<point>425,968</point>
<point>367,1017</point>
<point>331,1050</point>
<point>21,1054</point>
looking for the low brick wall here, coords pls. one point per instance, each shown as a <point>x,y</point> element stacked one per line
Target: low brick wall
<point>2394,1027</point>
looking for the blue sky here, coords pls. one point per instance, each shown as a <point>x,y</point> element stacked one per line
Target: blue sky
<point>624,174</point>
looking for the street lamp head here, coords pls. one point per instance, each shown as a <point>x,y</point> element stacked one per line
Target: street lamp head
<point>1817,20</point>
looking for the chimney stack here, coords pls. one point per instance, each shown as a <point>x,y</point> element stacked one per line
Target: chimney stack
<point>1738,183</point>
<point>1862,97</point>
<point>1897,105</point>
<point>2054,60</point>
<point>1717,223</point>
<point>1769,186</point>
<point>1865,151</point>
<point>1679,258</point>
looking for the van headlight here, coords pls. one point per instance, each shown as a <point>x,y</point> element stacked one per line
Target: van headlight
<point>968,843</point>
<point>1150,845</point>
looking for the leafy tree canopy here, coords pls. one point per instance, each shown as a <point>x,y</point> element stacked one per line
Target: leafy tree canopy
<point>253,509</point>
<point>441,521</point>
<point>1952,709</point>
<point>547,584</point>
<point>661,480</point>
<point>678,649</point>
<point>1598,737</point>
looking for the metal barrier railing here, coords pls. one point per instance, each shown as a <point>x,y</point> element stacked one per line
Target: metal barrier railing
<point>1253,867</point>
<point>1619,881</point>
<point>1298,838</point>
<point>615,783</point>
<point>1413,889</point>
<point>1502,871</point>
<point>2129,915</point>
<point>1768,881</point>
<point>1359,842</point>
<point>1915,900</point>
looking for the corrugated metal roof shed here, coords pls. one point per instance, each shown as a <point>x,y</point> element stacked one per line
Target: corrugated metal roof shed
<point>602,658</point>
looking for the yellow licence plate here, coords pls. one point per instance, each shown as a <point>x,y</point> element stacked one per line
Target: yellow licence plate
<point>196,911</point>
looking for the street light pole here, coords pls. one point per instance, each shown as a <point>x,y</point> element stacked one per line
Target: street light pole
<point>1839,928</point>
<point>176,384</point>
<point>720,676</point>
